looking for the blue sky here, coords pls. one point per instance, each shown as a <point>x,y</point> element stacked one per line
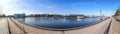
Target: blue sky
<point>86,7</point>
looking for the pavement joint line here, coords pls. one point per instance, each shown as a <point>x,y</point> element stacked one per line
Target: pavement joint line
<point>19,26</point>
<point>9,32</point>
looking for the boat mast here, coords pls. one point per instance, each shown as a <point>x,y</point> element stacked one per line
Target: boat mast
<point>100,15</point>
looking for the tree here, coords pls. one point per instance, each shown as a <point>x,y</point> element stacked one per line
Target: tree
<point>117,12</point>
<point>2,15</point>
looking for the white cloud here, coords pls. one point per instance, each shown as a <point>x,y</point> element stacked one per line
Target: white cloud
<point>8,6</point>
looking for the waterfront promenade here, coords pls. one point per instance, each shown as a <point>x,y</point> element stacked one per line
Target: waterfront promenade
<point>17,27</point>
<point>3,26</point>
<point>115,27</point>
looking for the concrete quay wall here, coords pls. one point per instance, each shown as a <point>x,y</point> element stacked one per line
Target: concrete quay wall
<point>17,27</point>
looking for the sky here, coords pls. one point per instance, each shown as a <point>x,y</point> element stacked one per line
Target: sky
<point>64,7</point>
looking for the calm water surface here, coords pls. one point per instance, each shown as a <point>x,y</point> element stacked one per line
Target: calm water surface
<point>59,23</point>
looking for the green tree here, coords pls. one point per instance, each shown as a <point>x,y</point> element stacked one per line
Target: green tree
<point>117,12</point>
<point>2,15</point>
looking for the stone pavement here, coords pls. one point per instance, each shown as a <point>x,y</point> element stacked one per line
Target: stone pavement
<point>94,29</point>
<point>115,27</point>
<point>3,26</point>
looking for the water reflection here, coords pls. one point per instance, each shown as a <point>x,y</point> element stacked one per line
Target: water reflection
<point>21,19</point>
<point>58,23</point>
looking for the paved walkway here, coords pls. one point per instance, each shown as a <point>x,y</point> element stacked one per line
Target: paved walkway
<point>14,29</point>
<point>94,29</point>
<point>3,26</point>
<point>115,27</point>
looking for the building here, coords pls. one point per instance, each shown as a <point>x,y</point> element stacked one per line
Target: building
<point>19,15</point>
<point>47,15</point>
<point>74,16</point>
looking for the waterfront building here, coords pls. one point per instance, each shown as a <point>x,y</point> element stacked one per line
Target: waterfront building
<point>19,15</point>
<point>46,15</point>
<point>74,16</point>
